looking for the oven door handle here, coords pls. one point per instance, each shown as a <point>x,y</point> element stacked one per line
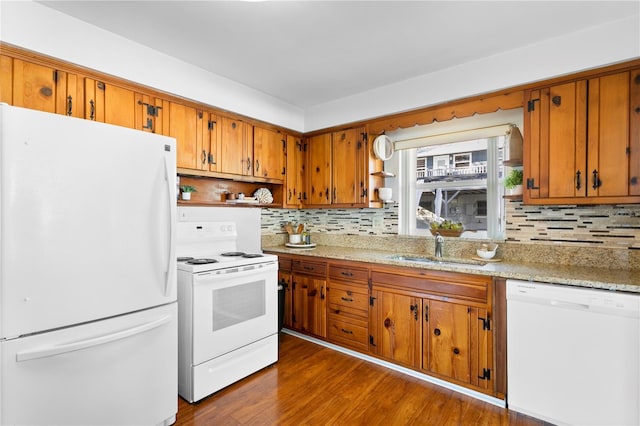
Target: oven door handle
<point>235,272</point>
<point>172,218</point>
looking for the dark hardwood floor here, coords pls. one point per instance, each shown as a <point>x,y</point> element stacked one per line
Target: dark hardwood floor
<point>314,385</point>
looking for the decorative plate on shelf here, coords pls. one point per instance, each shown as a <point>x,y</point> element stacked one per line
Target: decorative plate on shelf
<point>263,195</point>
<point>383,147</point>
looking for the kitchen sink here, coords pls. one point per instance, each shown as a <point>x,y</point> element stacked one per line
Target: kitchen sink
<point>435,260</point>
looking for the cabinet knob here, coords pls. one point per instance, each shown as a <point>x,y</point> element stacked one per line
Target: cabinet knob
<point>436,331</point>
<point>387,323</point>
<point>456,351</point>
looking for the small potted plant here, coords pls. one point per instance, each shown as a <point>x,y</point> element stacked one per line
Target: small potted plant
<point>513,182</point>
<point>186,191</point>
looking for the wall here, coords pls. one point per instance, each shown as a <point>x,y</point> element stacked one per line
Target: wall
<point>32,26</point>
<point>35,27</point>
<point>605,44</point>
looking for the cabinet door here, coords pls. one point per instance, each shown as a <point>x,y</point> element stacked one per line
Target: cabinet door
<point>151,114</point>
<point>608,169</point>
<point>634,133</point>
<point>210,142</point>
<point>37,87</point>
<point>110,104</point>
<point>396,328</point>
<point>6,79</point>
<point>184,125</point>
<point>268,153</point>
<point>557,142</point>
<point>309,304</point>
<point>447,349</point>
<point>344,173</point>
<point>294,172</point>
<point>234,156</point>
<point>318,160</point>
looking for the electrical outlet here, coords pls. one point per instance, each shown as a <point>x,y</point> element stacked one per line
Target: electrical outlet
<point>378,222</point>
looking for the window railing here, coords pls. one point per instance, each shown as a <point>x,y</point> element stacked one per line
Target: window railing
<point>441,172</point>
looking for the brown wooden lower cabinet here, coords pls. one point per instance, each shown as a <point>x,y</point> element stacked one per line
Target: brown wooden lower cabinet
<point>309,297</point>
<point>439,323</point>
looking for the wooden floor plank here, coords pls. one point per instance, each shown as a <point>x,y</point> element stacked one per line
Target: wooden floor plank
<point>314,385</point>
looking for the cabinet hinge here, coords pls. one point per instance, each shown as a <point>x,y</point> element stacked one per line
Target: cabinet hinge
<point>486,374</point>
<point>486,323</point>
<point>100,85</point>
<point>628,150</point>
<point>55,76</point>
<point>371,300</point>
<point>371,341</point>
<point>531,105</point>
<point>211,125</point>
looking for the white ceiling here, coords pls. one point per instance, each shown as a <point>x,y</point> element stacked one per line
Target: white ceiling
<point>311,52</point>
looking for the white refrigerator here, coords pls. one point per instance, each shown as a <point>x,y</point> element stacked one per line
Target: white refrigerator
<point>88,328</point>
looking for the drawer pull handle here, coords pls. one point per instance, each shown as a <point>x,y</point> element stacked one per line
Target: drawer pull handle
<point>346,274</point>
<point>346,299</point>
<point>346,331</point>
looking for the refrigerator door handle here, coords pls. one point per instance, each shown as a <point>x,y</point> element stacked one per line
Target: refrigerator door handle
<point>172,218</point>
<point>54,350</point>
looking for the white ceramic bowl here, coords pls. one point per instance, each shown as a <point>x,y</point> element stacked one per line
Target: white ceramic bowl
<point>487,251</point>
<point>384,194</point>
<point>486,254</point>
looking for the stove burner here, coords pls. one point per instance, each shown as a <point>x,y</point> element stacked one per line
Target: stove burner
<point>202,261</point>
<point>184,259</point>
<point>252,255</point>
<point>232,253</point>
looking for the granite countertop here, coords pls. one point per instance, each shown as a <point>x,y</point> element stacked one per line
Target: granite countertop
<point>599,278</point>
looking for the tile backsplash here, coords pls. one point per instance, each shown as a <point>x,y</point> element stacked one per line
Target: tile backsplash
<point>598,226</point>
<point>616,226</point>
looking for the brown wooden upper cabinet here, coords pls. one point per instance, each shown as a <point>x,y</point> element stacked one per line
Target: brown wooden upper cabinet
<point>350,162</point>
<point>109,103</point>
<point>295,172</point>
<point>236,147</point>
<point>269,153</point>
<point>318,178</point>
<point>583,141</point>
<point>185,125</point>
<point>152,114</point>
<point>42,88</point>
<point>337,169</point>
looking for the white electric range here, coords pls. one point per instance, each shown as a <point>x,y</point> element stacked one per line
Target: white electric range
<point>227,308</point>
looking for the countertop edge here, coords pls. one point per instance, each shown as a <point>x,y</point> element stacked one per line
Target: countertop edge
<point>596,278</point>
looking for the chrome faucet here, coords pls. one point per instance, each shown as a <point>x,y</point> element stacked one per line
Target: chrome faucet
<point>439,243</point>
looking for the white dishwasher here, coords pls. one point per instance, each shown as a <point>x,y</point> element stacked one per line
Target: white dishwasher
<point>573,354</point>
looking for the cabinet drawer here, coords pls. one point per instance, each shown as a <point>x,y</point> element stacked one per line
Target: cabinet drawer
<point>348,274</point>
<point>348,297</point>
<point>437,283</point>
<point>310,268</point>
<point>348,334</point>
<point>284,264</point>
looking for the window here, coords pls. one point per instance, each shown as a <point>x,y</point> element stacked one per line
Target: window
<point>459,180</point>
<point>461,194</point>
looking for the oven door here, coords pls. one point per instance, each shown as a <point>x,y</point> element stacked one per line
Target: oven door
<point>233,307</point>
